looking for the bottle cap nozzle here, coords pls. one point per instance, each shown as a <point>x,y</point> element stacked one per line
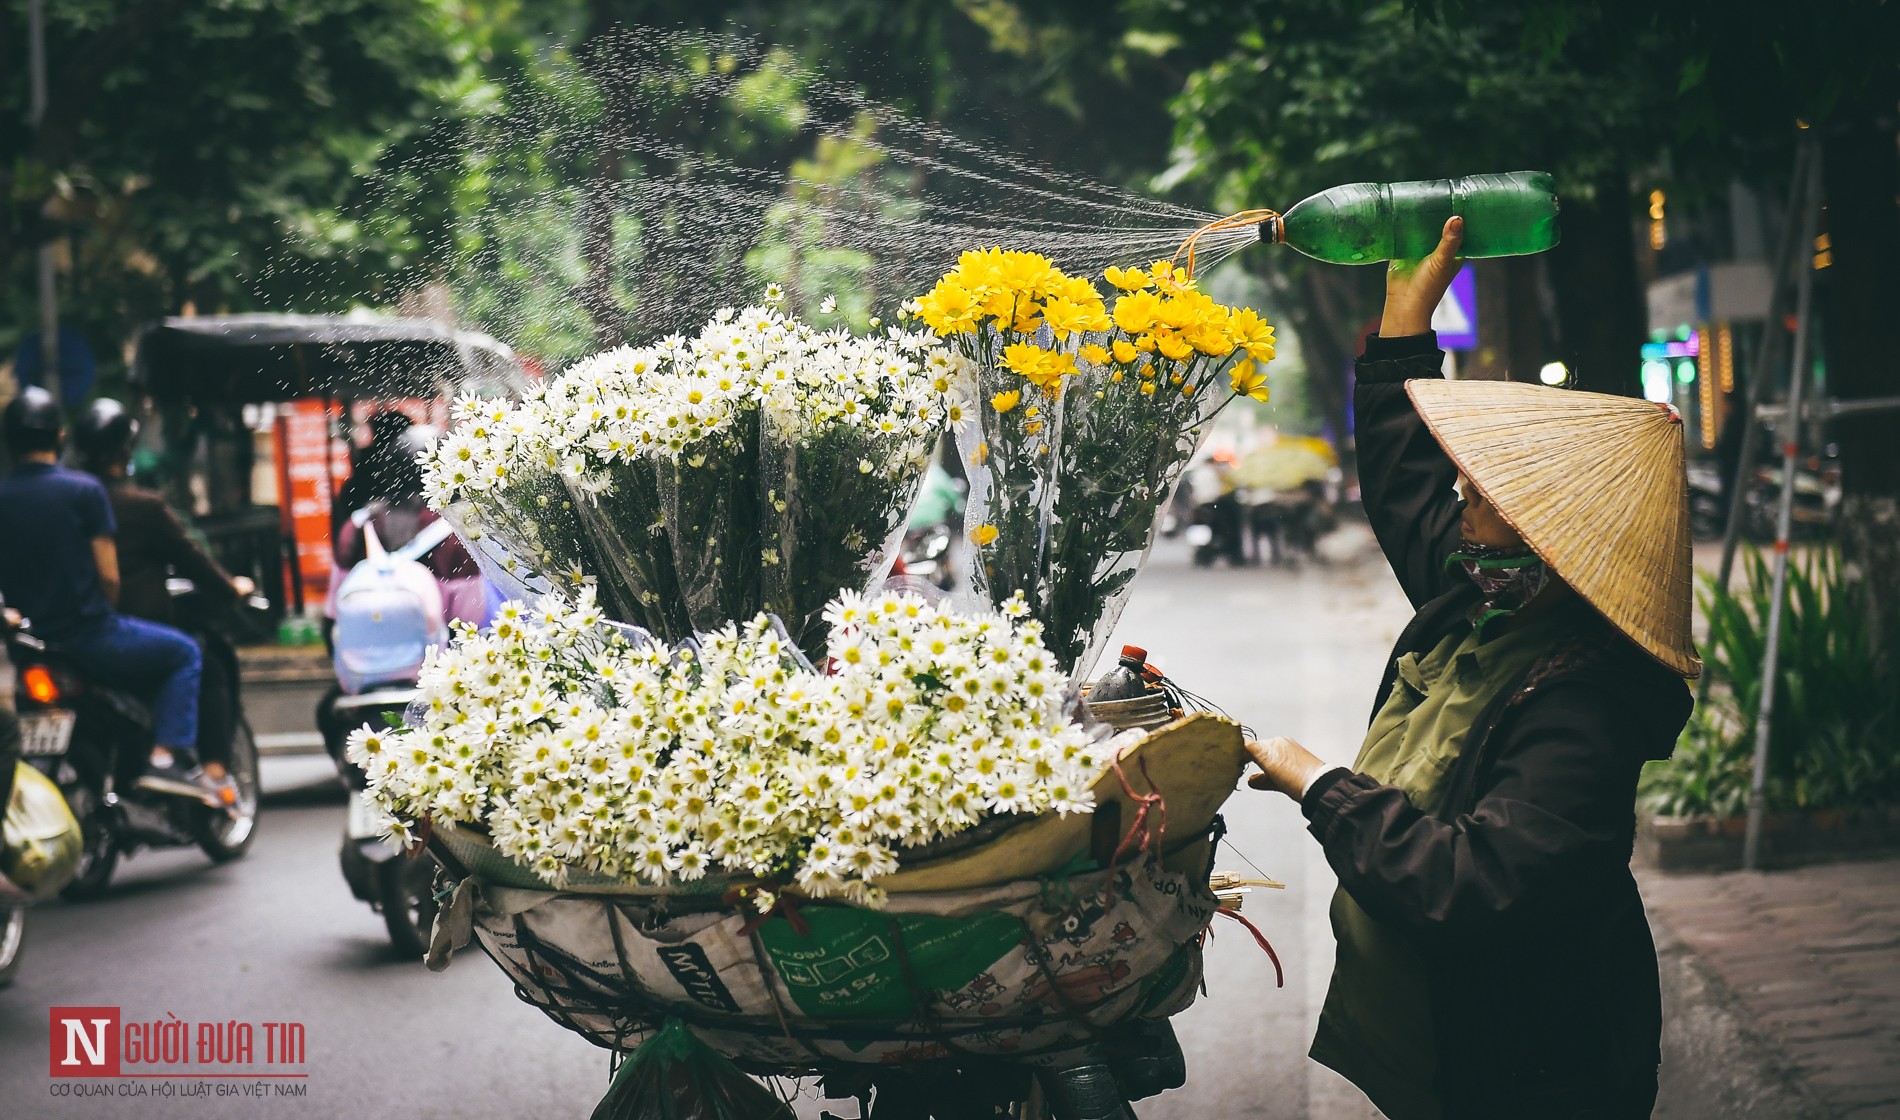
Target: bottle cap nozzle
<point>1135,653</point>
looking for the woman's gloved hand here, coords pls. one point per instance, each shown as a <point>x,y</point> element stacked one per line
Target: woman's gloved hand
<point>1413,288</point>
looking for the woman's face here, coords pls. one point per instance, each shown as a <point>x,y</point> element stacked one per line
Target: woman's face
<point>1481,523</point>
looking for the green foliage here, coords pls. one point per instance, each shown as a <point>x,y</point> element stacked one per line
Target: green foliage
<point>1834,742</point>
<point>1311,93</point>
<point>1736,67</point>
<point>227,154</point>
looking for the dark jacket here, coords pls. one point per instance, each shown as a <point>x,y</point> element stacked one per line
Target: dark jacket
<point>1517,894</point>
<point>153,545</point>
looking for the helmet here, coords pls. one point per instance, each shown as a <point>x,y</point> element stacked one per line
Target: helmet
<point>418,439</point>
<point>32,422</point>
<point>402,468</point>
<point>104,434</point>
<point>388,425</point>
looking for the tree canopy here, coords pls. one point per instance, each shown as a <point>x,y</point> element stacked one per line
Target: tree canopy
<point>206,153</point>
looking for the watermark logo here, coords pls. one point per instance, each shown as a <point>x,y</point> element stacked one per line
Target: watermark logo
<point>97,1051</point>
<point>85,1042</point>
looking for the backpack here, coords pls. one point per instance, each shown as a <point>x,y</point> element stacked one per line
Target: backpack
<point>389,612</point>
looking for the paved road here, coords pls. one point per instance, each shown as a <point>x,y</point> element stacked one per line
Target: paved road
<point>277,937</point>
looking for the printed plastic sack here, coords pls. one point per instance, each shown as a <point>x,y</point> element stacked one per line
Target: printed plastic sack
<point>42,844</point>
<point>1023,968</point>
<point>675,1076</point>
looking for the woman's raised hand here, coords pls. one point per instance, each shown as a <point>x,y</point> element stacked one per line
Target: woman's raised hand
<point>1413,288</point>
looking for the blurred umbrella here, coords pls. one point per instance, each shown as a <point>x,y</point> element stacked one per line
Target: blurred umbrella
<point>1286,465</point>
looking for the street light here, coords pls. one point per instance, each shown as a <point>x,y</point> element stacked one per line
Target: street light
<point>1554,373</point>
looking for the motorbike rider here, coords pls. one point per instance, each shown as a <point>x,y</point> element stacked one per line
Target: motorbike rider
<point>1212,483</point>
<point>153,544</point>
<point>397,510</point>
<point>376,470</point>
<point>64,575</point>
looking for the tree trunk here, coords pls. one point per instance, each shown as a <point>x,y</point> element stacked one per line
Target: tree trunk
<point>603,190</point>
<point>1861,171</point>
<point>1510,321</point>
<point>1602,314</point>
<point>1328,339</point>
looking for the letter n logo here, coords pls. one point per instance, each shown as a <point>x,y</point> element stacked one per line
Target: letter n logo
<point>84,1042</point>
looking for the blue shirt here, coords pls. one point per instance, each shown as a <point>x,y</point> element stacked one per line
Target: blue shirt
<point>49,517</point>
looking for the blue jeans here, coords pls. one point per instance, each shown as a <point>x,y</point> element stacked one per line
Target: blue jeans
<point>135,654</point>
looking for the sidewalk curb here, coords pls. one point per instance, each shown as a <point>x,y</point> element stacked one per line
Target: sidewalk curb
<point>1714,1060</point>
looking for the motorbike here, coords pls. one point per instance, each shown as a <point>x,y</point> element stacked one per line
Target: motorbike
<point>93,740</point>
<point>379,654</point>
<point>13,903</point>
<point>926,554</point>
<point>12,937</point>
<point>1813,515</point>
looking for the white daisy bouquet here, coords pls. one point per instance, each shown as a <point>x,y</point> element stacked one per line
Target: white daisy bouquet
<point>576,746</point>
<point>1087,412</point>
<point>703,480</point>
<point>844,444</point>
<point>496,478</point>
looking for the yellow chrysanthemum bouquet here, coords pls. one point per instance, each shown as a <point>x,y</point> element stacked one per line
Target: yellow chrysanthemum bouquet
<point>1087,412</point>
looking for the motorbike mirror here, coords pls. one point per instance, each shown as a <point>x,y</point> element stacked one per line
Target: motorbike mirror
<point>257,603</point>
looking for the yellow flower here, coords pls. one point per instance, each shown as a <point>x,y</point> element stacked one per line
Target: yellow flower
<point>1027,272</point>
<point>1095,353</point>
<point>1077,289</point>
<point>1044,369</point>
<point>1248,329</point>
<point>1116,376</point>
<point>1068,316</point>
<point>1127,279</point>
<point>1147,371</point>
<point>1135,312</point>
<point>1027,321</point>
<point>949,309</point>
<point>983,535</point>
<point>1174,347</point>
<point>1003,402</point>
<point>1169,278</point>
<point>1032,427</point>
<point>1124,350</point>
<point>1147,388</point>
<point>1248,380</point>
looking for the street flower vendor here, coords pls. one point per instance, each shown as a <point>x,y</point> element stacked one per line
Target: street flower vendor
<point>1494,959</point>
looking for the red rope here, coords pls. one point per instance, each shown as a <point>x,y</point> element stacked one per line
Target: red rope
<point>1144,802</point>
<point>1279,974</point>
<point>1141,826</point>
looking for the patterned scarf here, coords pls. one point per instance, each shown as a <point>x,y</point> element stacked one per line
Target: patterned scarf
<point>1508,578</point>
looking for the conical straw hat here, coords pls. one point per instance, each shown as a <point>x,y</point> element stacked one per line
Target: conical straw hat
<point>1594,484</point>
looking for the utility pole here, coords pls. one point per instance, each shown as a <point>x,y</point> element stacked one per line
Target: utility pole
<point>49,296</point>
<point>1799,374</point>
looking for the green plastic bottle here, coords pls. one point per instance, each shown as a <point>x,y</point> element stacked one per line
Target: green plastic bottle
<point>1363,223</point>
